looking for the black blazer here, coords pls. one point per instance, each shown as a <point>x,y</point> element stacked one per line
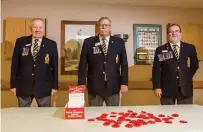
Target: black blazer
<point>115,65</point>
<point>165,73</point>
<point>39,77</point>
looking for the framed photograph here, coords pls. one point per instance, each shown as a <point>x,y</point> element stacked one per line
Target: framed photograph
<point>73,34</point>
<point>147,37</point>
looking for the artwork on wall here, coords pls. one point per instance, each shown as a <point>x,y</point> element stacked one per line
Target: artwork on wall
<point>73,34</point>
<point>147,37</point>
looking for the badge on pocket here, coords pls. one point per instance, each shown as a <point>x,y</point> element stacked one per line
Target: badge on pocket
<point>165,56</point>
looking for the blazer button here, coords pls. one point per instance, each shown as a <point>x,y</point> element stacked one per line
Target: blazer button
<point>33,74</point>
<point>178,67</point>
<point>177,77</point>
<point>34,65</point>
<point>104,62</point>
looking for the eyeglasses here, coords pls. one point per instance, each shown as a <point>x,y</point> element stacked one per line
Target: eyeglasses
<point>176,31</point>
<point>104,25</point>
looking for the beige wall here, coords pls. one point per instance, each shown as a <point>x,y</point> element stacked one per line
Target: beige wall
<point>123,18</point>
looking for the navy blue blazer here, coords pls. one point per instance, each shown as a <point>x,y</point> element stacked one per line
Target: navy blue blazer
<point>34,78</point>
<point>94,65</point>
<point>165,74</point>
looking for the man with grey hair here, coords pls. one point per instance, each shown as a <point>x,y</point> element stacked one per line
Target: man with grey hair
<point>104,57</point>
<point>34,68</point>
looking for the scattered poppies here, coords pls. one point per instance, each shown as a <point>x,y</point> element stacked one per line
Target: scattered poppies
<point>133,119</point>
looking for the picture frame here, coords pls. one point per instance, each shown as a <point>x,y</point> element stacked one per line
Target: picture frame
<point>73,34</point>
<point>147,37</point>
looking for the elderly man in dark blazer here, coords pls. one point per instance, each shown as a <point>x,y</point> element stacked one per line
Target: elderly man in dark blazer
<point>104,62</point>
<point>175,65</point>
<point>34,69</point>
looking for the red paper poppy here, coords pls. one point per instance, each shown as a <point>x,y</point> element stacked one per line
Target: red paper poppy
<point>137,124</point>
<point>107,123</point>
<point>129,125</point>
<point>113,112</point>
<point>115,125</point>
<point>121,113</point>
<point>112,115</point>
<point>161,115</point>
<point>144,112</point>
<point>158,120</point>
<point>151,122</point>
<point>130,111</point>
<point>91,119</point>
<point>166,119</point>
<point>183,121</point>
<point>175,115</point>
<point>168,122</point>
<point>144,123</point>
<point>132,116</point>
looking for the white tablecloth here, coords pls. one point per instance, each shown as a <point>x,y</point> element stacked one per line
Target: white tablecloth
<point>36,119</point>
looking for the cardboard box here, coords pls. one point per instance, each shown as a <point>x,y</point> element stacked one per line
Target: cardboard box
<point>74,109</point>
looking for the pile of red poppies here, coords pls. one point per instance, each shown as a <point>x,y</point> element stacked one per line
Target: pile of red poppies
<point>134,119</point>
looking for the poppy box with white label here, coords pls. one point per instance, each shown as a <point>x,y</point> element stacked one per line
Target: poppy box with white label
<point>74,109</point>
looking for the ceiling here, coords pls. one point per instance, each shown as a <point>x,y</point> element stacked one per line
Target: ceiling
<point>163,3</point>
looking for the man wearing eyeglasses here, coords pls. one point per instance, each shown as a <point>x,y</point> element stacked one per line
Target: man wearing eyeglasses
<point>175,64</point>
<point>104,57</point>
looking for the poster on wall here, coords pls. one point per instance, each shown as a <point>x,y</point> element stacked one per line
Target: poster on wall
<point>147,37</point>
<point>73,34</point>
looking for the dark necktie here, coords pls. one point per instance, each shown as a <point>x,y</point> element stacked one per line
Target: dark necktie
<point>35,49</point>
<point>104,45</point>
<point>175,50</point>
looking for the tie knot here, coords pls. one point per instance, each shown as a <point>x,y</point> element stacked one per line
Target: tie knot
<point>36,40</point>
<point>175,45</point>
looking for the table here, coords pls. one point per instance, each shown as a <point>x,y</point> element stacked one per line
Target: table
<point>36,119</point>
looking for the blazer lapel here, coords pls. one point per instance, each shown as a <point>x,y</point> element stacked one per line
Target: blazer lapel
<point>170,49</point>
<point>41,50</point>
<point>28,44</point>
<point>181,51</point>
<point>109,46</point>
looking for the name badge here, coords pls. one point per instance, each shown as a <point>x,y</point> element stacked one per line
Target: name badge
<point>96,50</point>
<point>165,56</point>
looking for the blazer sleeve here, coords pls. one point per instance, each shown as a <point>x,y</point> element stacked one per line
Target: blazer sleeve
<point>124,65</point>
<point>15,64</point>
<point>194,61</point>
<point>156,71</point>
<point>55,66</point>
<point>83,65</point>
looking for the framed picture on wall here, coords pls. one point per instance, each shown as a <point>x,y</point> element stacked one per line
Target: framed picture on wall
<point>73,34</point>
<point>147,37</point>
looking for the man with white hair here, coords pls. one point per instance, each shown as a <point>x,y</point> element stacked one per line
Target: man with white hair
<point>34,68</point>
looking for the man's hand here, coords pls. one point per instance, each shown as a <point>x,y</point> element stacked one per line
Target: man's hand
<point>124,89</point>
<point>13,90</point>
<point>158,92</point>
<point>53,92</point>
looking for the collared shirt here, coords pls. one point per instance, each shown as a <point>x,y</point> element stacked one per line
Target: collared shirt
<point>33,41</point>
<point>177,47</point>
<point>106,41</point>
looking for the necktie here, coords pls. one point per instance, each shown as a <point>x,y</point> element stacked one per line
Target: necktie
<point>35,49</point>
<point>175,50</point>
<point>104,45</point>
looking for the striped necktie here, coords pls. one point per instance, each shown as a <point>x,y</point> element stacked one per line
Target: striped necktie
<point>175,50</point>
<point>35,49</point>
<point>104,45</point>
